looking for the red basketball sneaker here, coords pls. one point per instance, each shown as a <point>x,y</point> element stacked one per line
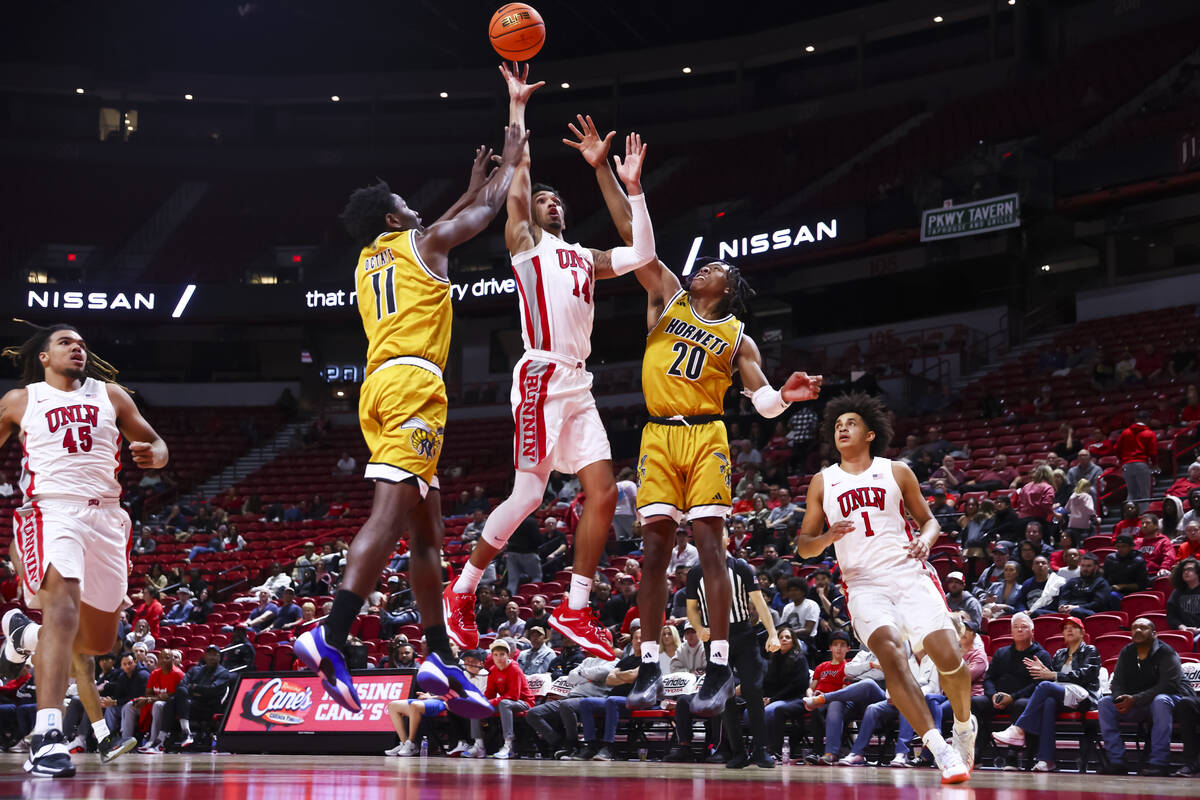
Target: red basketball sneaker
<point>459,611</point>
<point>584,629</point>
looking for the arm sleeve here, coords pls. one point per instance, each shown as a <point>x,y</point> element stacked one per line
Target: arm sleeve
<point>627,259</point>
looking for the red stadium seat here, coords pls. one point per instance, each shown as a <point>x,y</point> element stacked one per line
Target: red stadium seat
<point>284,658</point>
<point>1106,622</point>
<point>1180,641</point>
<point>1140,603</point>
<point>1047,626</point>
<point>1111,644</point>
<point>264,659</point>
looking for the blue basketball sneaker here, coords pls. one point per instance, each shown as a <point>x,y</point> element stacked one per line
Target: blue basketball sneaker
<point>438,678</point>
<point>330,664</point>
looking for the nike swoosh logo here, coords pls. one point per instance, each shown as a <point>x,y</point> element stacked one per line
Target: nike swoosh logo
<point>835,483</point>
<point>44,399</point>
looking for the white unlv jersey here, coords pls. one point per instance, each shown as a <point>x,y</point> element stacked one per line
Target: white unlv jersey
<point>875,551</point>
<point>71,442</point>
<point>555,280</point>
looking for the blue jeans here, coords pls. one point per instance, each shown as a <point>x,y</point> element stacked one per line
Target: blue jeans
<point>775,714</point>
<point>1158,713</point>
<point>613,708</point>
<point>197,550</point>
<point>882,714</point>
<point>847,704</point>
<point>1039,717</point>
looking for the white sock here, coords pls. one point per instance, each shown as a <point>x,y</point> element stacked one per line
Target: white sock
<point>48,719</point>
<point>719,652</point>
<point>581,592</point>
<point>468,579</point>
<point>649,652</point>
<point>932,739</point>
<point>962,726</point>
<point>100,729</point>
<point>186,726</point>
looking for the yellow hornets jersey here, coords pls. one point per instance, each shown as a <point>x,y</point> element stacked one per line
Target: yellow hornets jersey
<point>405,307</point>
<point>689,361</point>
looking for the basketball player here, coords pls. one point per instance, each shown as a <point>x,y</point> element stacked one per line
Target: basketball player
<point>404,301</point>
<point>70,417</point>
<point>891,592</point>
<point>557,424</point>
<point>684,471</point>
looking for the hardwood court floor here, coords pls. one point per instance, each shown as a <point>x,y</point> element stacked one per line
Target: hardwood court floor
<point>272,777</point>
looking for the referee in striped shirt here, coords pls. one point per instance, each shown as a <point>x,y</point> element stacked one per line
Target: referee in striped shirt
<point>745,656</point>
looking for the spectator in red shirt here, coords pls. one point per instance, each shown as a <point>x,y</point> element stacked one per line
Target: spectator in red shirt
<point>1137,450</point>
<point>150,609</point>
<point>161,706</point>
<point>508,692</point>
<point>1035,500</point>
<point>1155,548</point>
<point>839,704</point>
<point>1186,483</point>
<point>1150,364</point>
<point>339,507</point>
<point>948,472</point>
<point>999,476</point>
<point>1129,522</point>
<point>1191,405</point>
<point>1191,546</point>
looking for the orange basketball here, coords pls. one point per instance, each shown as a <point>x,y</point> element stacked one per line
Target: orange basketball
<point>517,31</point>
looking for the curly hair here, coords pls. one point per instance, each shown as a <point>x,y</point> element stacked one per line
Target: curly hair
<point>1177,573</point>
<point>32,371</point>
<point>365,214</point>
<point>872,411</point>
<point>739,288</point>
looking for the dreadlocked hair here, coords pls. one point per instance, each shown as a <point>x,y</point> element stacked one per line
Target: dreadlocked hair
<point>365,214</point>
<point>873,413</point>
<point>739,288</point>
<point>32,371</point>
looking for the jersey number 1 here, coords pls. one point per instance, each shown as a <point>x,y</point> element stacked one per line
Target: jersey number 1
<point>867,524</point>
<point>74,441</point>
<point>388,295</point>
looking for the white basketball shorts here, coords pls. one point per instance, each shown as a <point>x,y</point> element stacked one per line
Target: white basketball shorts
<point>912,602</point>
<point>556,421</point>
<point>87,541</point>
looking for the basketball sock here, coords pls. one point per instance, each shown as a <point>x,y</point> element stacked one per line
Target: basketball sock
<point>468,579</point>
<point>719,652</point>
<point>962,726</point>
<point>185,725</point>
<point>581,591</point>
<point>100,729</point>
<point>649,652</point>
<point>346,605</point>
<point>48,719</point>
<point>933,740</point>
<point>438,642</point>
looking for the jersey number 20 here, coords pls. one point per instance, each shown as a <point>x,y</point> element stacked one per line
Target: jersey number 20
<point>695,361</point>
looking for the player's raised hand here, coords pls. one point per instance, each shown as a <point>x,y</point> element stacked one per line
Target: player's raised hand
<point>481,169</point>
<point>801,386</point>
<point>514,143</point>
<point>918,548</point>
<point>519,89</point>
<point>630,170</point>
<point>773,644</point>
<point>840,529</point>
<point>588,142</point>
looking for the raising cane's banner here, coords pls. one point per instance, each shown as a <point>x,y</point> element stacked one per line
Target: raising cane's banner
<point>299,704</point>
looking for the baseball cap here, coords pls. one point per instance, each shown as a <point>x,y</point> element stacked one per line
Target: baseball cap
<point>537,628</point>
<point>623,576</point>
<point>635,625</point>
<point>971,625</point>
<point>551,521</point>
<point>956,576</point>
<point>1002,547</point>
<point>939,492</point>
<point>1076,621</point>
<point>502,645</point>
<point>845,637</point>
<point>688,626</point>
<point>213,647</point>
<point>140,646</point>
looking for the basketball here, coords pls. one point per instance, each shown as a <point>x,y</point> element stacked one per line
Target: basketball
<point>517,31</point>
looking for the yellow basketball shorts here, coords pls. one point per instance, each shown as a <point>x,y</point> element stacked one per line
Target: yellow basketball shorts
<point>684,471</point>
<point>402,410</point>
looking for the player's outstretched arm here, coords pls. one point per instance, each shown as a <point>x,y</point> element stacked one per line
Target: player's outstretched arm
<point>595,152</point>
<point>12,409</point>
<point>481,170</point>
<point>518,230</point>
<point>914,502</point>
<point>768,401</point>
<point>436,241</point>
<point>148,449</point>
<point>619,260</point>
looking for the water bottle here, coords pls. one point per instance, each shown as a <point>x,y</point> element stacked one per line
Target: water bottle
<point>643,753</point>
<point>785,755</point>
<point>424,748</point>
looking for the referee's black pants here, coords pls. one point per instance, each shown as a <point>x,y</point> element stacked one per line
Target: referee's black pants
<point>745,658</point>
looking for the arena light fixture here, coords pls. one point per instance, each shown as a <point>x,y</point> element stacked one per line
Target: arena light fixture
<point>79,91</point>
<point>1045,267</point>
<point>939,18</point>
<point>340,393</point>
<point>1012,2</point>
<point>444,95</point>
<point>809,49</point>
<point>335,98</point>
<point>187,97</point>
<point>565,85</point>
<point>687,70</point>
